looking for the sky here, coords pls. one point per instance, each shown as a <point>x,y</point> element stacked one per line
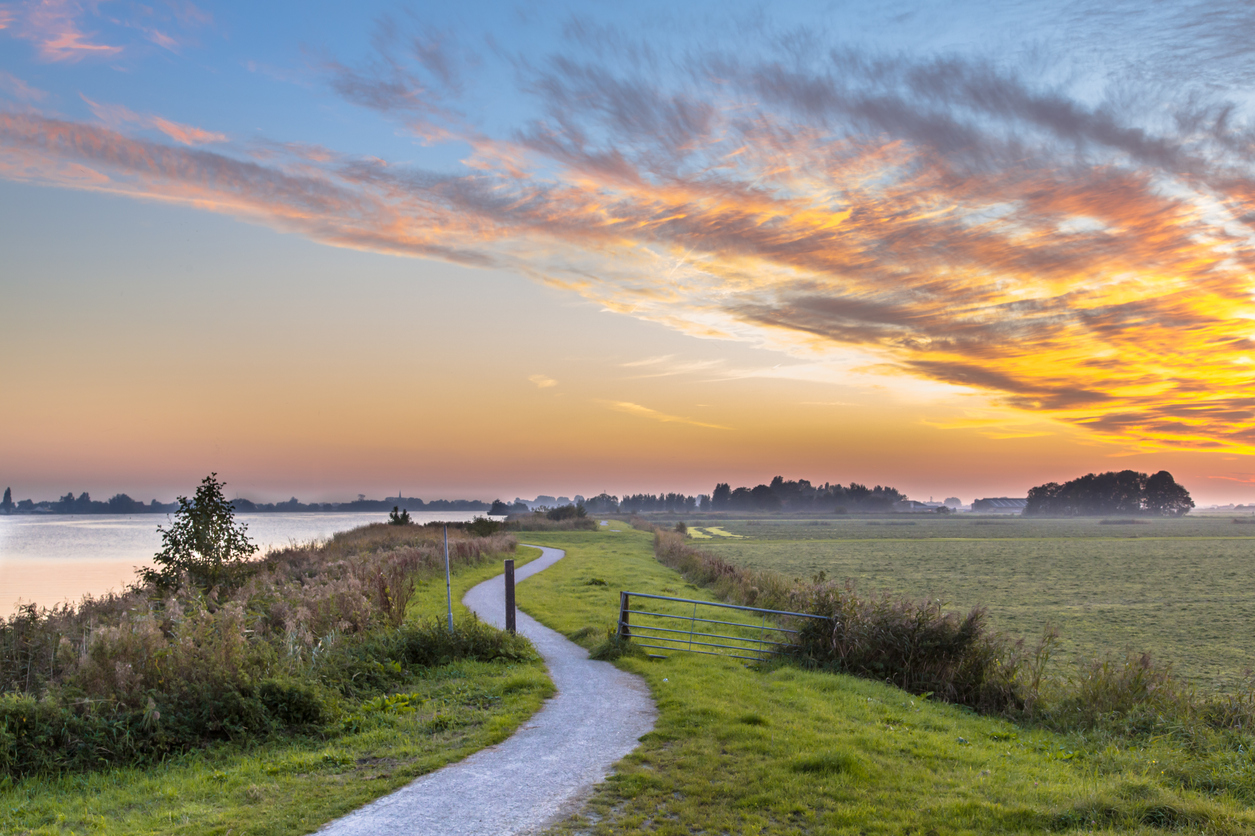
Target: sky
<point>499,249</point>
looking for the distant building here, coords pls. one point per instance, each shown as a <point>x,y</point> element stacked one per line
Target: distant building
<point>999,505</point>
<point>911,506</point>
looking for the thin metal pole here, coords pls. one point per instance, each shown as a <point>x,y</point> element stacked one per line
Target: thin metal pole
<point>509,596</point>
<point>448,584</point>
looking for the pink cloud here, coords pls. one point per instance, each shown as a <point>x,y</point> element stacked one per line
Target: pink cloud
<point>117,115</point>
<point>54,25</point>
<point>18,89</point>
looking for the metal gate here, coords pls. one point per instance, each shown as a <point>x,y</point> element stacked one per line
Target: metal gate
<point>686,632</point>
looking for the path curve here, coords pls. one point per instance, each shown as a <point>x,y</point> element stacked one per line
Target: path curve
<point>547,768</point>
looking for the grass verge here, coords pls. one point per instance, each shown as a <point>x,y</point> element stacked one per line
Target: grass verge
<point>292,786</point>
<point>783,750</point>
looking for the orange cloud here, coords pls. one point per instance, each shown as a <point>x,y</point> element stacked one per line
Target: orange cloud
<point>1063,261</point>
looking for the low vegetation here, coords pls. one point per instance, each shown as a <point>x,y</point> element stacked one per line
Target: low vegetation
<point>781,749</point>
<point>562,518</point>
<point>301,635</point>
<point>393,722</point>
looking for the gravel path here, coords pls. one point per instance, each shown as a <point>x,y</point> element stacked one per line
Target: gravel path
<point>546,770</point>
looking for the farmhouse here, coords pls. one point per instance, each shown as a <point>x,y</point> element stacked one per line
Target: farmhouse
<point>999,505</point>
<point>910,506</point>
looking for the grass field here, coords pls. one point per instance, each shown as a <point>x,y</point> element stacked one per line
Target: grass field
<point>1182,589</point>
<point>293,786</point>
<point>785,751</point>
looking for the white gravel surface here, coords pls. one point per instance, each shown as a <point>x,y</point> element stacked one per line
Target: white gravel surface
<point>546,770</point>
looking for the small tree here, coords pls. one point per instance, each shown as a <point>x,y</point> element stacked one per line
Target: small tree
<point>204,540</point>
<point>399,516</point>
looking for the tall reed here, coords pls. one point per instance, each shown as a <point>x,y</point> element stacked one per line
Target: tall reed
<point>166,671</point>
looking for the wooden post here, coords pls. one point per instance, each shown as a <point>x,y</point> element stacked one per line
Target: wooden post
<point>509,596</point>
<point>624,631</point>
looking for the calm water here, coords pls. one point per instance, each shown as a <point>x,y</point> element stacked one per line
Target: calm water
<point>50,559</point>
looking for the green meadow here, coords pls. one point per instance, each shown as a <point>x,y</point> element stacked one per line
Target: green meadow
<point>1180,589</point>
<point>780,750</point>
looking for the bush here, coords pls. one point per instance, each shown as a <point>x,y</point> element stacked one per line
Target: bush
<point>483,527</point>
<point>539,521</point>
<point>204,543</point>
<point>914,645</point>
<point>566,512</point>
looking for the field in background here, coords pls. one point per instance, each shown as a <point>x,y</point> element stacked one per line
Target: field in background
<point>1181,589</point>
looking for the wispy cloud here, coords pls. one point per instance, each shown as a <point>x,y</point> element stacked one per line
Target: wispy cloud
<point>18,89</point>
<point>667,366</point>
<point>117,116</point>
<point>542,381</point>
<point>655,415</point>
<point>70,30</point>
<point>941,218</point>
<point>55,26</point>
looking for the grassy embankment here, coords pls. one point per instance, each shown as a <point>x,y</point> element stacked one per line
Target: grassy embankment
<point>1183,589</point>
<point>783,750</point>
<point>291,784</point>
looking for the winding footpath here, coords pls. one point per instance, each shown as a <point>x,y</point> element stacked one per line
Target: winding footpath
<point>545,771</point>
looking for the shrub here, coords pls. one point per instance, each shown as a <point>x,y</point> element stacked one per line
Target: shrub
<point>399,516</point>
<point>566,512</point>
<point>539,521</point>
<point>204,543</point>
<point>914,645</point>
<point>483,527</point>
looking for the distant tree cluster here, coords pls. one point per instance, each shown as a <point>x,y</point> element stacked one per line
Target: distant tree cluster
<point>675,503</point>
<point>1126,492</point>
<point>602,503</point>
<point>803,496</point>
<point>641,503</point>
<point>84,504</point>
<point>403,503</point>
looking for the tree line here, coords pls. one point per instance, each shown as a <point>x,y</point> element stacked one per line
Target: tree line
<point>1126,492</point>
<point>779,495</point>
<point>124,504</point>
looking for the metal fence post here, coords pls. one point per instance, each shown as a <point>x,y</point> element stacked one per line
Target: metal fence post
<point>509,596</point>
<point>625,632</point>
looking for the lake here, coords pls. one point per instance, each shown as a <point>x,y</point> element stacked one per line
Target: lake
<point>53,558</point>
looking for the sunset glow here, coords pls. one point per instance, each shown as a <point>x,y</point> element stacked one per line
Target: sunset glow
<point>551,250</point>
